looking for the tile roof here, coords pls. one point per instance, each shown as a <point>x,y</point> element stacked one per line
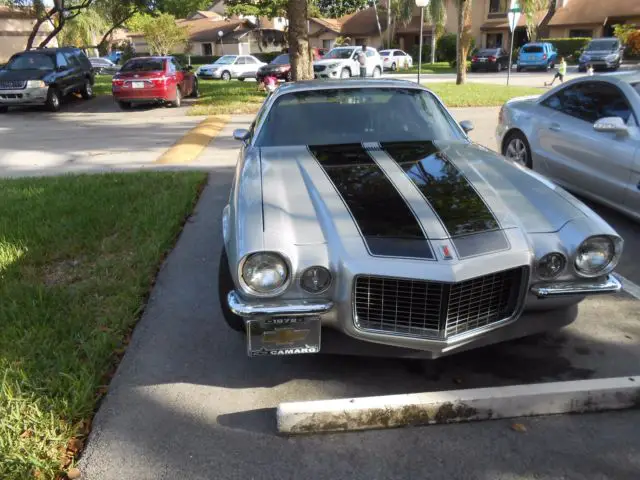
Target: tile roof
<point>580,12</point>
<point>504,22</point>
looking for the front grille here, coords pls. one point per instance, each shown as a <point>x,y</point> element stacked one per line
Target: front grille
<point>439,310</point>
<point>319,68</point>
<point>12,84</point>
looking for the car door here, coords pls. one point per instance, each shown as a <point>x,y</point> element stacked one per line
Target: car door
<point>64,74</point>
<point>632,194</point>
<point>595,163</point>
<point>76,71</point>
<point>252,65</point>
<point>372,61</point>
<point>400,59</point>
<point>238,66</point>
<point>181,79</point>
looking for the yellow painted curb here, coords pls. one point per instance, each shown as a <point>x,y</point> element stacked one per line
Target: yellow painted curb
<point>194,141</point>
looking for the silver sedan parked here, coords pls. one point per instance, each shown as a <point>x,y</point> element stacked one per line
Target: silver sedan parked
<point>583,135</point>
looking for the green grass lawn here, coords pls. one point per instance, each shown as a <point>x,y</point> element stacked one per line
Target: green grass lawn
<point>219,97</point>
<point>102,85</point>
<point>479,94</point>
<point>78,255</point>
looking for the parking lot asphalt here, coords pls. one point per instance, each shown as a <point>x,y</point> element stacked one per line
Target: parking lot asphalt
<point>186,402</point>
<point>88,136</point>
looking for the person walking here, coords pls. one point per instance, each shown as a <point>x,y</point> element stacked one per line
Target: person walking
<point>562,71</point>
<point>362,60</point>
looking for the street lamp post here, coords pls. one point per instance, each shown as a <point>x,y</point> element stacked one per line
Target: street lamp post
<point>220,34</point>
<point>421,4</point>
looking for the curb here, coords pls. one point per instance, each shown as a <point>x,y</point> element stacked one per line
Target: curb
<point>187,148</point>
<point>458,406</point>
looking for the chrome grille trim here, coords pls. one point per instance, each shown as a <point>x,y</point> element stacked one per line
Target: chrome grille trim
<point>437,310</point>
<point>13,84</point>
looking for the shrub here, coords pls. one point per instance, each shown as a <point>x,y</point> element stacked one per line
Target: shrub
<point>567,46</point>
<point>426,53</point>
<point>633,42</point>
<point>446,48</point>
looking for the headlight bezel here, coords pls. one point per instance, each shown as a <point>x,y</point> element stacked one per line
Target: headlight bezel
<point>563,269</point>
<point>317,292</point>
<point>36,84</point>
<point>616,249</point>
<point>248,289</point>
<point>333,66</point>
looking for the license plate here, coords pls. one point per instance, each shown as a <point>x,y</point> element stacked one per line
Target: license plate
<point>283,336</point>
<point>137,84</point>
<point>482,60</point>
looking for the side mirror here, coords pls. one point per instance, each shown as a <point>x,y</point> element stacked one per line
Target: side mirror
<point>467,125</point>
<point>240,134</point>
<point>611,125</point>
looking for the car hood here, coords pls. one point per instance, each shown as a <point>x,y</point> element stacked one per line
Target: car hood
<point>329,61</point>
<point>394,196</point>
<point>17,75</point>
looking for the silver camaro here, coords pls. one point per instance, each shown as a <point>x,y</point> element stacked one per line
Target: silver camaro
<point>583,135</point>
<point>362,220</point>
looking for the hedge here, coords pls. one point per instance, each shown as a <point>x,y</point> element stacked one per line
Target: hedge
<point>568,46</point>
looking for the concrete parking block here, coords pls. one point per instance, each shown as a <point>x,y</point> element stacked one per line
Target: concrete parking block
<point>458,405</point>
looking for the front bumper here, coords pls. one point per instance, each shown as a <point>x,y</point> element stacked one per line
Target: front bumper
<point>328,73</point>
<point>217,75</point>
<point>601,63</point>
<point>547,307</point>
<point>24,96</point>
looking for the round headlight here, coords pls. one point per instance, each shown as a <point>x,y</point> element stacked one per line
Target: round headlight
<point>594,255</point>
<point>265,273</point>
<point>315,279</point>
<point>551,265</point>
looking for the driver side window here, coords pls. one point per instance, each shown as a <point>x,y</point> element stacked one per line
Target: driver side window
<point>60,60</point>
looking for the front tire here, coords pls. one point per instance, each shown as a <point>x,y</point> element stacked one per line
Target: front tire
<point>225,285</point>
<point>87,90</point>
<point>345,73</point>
<point>394,67</point>
<point>226,76</point>
<point>516,148</point>
<point>53,100</point>
<point>195,92</point>
<point>376,72</point>
<point>178,101</point>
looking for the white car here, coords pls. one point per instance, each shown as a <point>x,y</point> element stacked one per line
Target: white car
<point>231,66</point>
<point>395,59</point>
<point>342,62</point>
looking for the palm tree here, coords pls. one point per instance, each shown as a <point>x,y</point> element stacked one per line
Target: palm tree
<point>463,39</point>
<point>529,9</point>
<point>83,30</point>
<point>437,14</point>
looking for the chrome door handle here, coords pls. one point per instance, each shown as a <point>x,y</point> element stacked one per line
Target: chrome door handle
<point>554,127</point>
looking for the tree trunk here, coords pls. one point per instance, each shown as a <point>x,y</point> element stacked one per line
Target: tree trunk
<point>34,32</point>
<point>299,49</point>
<point>461,49</point>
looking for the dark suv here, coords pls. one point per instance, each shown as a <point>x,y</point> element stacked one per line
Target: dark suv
<point>44,77</point>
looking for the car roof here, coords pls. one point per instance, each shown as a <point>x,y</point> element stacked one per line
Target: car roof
<point>50,51</point>
<point>328,84</point>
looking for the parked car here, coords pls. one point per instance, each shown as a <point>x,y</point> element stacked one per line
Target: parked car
<point>153,80</point>
<point>363,207</point>
<point>103,66</point>
<point>602,53</point>
<point>394,59</point>
<point>490,59</point>
<point>280,67</point>
<point>539,56</point>
<point>342,62</point>
<point>231,66</point>
<point>583,135</point>
<point>44,77</point>
<point>114,56</point>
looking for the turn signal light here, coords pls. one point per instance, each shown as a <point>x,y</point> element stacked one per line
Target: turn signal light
<point>492,59</point>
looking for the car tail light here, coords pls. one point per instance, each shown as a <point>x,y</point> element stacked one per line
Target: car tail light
<point>159,81</point>
<point>117,82</point>
<point>492,58</point>
<point>474,59</point>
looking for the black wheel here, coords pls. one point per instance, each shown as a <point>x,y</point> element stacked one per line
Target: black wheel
<point>124,105</point>
<point>53,100</point>
<point>87,90</point>
<point>345,73</point>
<point>394,67</point>
<point>225,285</point>
<point>498,67</point>
<point>241,79</point>
<point>178,101</point>
<point>516,148</point>
<point>226,76</point>
<point>4,109</point>
<point>195,93</point>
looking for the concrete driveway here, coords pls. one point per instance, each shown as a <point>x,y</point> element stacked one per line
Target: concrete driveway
<point>186,402</point>
<point>88,136</point>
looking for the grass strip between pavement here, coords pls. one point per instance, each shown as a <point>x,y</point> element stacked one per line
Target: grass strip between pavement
<point>187,148</point>
<point>78,256</point>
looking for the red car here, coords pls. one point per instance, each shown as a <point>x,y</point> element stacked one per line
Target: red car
<point>153,80</point>
<point>281,68</point>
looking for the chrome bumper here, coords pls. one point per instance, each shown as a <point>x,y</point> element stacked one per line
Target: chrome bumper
<point>276,308</point>
<point>24,96</point>
<point>610,285</point>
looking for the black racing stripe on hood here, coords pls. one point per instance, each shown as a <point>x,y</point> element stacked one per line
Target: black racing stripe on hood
<point>382,215</point>
<point>450,194</point>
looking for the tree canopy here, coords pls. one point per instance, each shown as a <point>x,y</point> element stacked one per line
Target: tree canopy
<point>339,8</point>
<point>181,8</point>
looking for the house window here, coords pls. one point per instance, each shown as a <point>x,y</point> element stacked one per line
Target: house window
<point>580,33</point>
<point>494,40</point>
<point>328,43</point>
<point>207,49</point>
<point>498,8</point>
<point>361,41</point>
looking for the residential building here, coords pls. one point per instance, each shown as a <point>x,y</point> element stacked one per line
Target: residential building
<point>16,25</point>
<point>592,18</point>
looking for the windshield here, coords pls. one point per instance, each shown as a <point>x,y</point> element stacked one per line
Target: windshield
<point>532,49</point>
<point>281,60</point>
<point>384,53</point>
<point>355,115</point>
<point>31,61</point>
<point>603,45</point>
<point>143,65</point>
<point>485,53</point>
<point>225,60</point>
<point>340,53</point>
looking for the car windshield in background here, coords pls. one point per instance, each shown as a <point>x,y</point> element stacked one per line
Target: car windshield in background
<point>281,60</point>
<point>486,53</point>
<point>143,65</point>
<point>355,115</point>
<point>31,61</point>
<point>532,49</point>
<point>225,60</point>
<point>602,46</point>
<point>384,53</point>
<point>341,53</point>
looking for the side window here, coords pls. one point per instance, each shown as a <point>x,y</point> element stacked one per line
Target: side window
<point>72,59</point>
<point>609,101</point>
<point>60,60</point>
<point>176,63</point>
<point>250,60</point>
<point>240,61</point>
<point>398,54</point>
<point>172,67</point>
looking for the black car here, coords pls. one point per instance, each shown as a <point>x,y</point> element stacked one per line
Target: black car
<point>280,67</point>
<point>44,77</point>
<point>490,59</point>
